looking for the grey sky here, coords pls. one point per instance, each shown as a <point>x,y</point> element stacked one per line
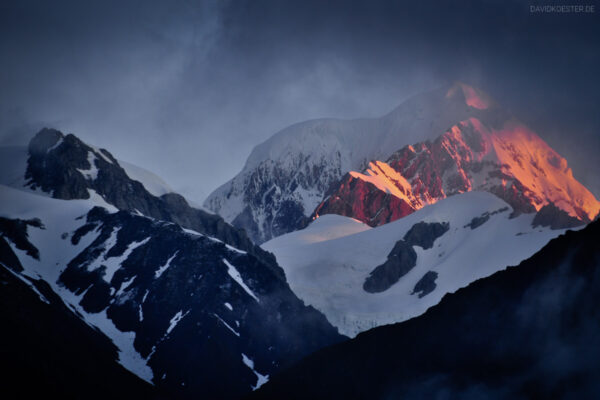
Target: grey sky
<point>187,88</point>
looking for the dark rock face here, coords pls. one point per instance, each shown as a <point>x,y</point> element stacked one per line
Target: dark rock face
<point>15,230</point>
<point>167,274</point>
<point>55,164</point>
<point>289,216</point>
<point>555,218</point>
<point>46,351</point>
<point>529,331</point>
<point>272,206</point>
<point>476,222</point>
<point>401,259</point>
<point>426,284</point>
<point>424,234</point>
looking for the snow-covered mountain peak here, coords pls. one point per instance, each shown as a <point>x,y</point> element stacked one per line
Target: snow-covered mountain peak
<point>286,176</point>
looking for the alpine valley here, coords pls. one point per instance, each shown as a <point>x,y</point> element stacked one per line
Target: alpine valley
<point>280,286</point>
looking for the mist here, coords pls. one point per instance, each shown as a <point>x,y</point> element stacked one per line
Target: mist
<point>186,89</point>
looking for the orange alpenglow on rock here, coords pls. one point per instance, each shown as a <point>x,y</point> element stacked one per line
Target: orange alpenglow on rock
<point>498,155</point>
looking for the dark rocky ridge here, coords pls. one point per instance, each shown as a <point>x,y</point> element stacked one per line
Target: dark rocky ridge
<point>423,234</point>
<point>476,222</point>
<point>526,332</point>
<point>53,164</point>
<point>426,284</point>
<point>403,257</point>
<point>274,330</point>
<point>16,231</point>
<point>399,262</point>
<point>555,218</point>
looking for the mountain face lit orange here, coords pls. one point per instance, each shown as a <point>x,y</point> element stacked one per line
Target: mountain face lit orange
<point>506,158</point>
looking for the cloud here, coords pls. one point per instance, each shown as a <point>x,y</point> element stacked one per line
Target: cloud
<point>187,88</point>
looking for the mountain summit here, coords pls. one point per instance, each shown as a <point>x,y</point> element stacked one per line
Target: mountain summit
<point>286,177</point>
<point>508,160</point>
<point>396,164</point>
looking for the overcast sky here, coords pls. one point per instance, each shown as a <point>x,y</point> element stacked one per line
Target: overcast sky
<point>188,88</point>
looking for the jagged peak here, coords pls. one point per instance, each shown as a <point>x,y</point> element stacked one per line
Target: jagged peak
<point>44,140</point>
<point>510,161</point>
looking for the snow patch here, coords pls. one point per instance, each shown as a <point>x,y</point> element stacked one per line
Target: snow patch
<point>125,285</point>
<point>163,268</point>
<point>261,379</point>
<point>101,154</point>
<point>227,325</point>
<point>99,201</point>
<point>234,249</point>
<point>175,320</point>
<point>58,143</point>
<point>91,173</point>
<point>112,264</point>
<point>140,310</point>
<point>235,275</point>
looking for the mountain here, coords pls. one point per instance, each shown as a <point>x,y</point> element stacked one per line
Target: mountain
<point>286,177</point>
<point>192,305</point>
<point>506,159</point>
<point>362,277</point>
<point>526,332</point>
<point>67,168</point>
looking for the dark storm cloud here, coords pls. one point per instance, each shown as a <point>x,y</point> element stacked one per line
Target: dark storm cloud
<point>187,88</point>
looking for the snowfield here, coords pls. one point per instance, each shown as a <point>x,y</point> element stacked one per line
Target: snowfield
<point>327,263</point>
